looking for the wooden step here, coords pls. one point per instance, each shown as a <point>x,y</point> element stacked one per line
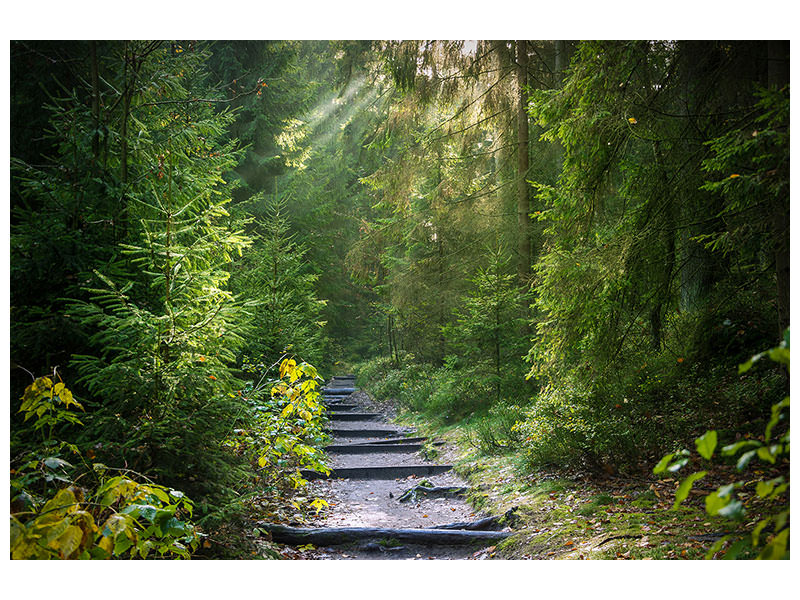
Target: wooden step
<point>401,440</point>
<point>367,448</point>
<point>383,472</point>
<point>337,391</point>
<point>376,433</point>
<point>330,536</point>
<point>340,406</point>
<point>353,416</point>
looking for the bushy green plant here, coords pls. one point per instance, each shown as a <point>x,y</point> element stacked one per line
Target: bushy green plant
<point>486,334</point>
<point>89,511</point>
<point>286,433</point>
<point>445,394</point>
<point>164,326</point>
<point>771,534</point>
<point>499,431</point>
<point>285,313</point>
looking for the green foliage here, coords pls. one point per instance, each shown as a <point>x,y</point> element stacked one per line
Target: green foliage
<point>49,404</point>
<point>498,431</point>
<point>775,491</point>
<point>164,326</point>
<point>285,434</point>
<point>56,514</point>
<point>631,286</point>
<point>446,395</point>
<point>486,333</point>
<point>285,314</point>
<point>753,160</point>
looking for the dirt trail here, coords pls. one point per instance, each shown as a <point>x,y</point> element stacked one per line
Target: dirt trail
<point>370,498</point>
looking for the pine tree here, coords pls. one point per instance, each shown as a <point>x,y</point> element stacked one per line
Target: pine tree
<point>165,326</point>
<point>486,332</point>
<point>286,314</point>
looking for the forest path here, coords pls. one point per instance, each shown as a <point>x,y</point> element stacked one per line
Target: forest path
<point>374,464</point>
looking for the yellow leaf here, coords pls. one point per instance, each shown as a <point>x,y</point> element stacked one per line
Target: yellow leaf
<point>632,121</point>
<point>262,461</point>
<point>68,542</point>
<point>63,500</point>
<point>734,175</point>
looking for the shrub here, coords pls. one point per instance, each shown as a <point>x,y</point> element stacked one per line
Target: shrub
<point>91,511</point>
<point>771,534</point>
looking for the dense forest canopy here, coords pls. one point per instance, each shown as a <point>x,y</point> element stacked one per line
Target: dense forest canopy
<point>570,245</point>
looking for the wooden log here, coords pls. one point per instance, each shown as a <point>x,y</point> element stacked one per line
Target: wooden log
<point>353,416</point>
<point>382,472</point>
<point>331,536</point>
<point>432,492</point>
<point>373,433</point>
<point>340,406</point>
<point>495,522</point>
<point>371,448</point>
<point>399,440</point>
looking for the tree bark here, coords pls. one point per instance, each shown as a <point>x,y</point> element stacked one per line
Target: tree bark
<point>95,76</point>
<point>523,194</point>
<point>778,77</point>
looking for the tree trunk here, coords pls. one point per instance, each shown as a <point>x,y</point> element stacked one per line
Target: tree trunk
<point>560,63</point>
<point>778,77</point>
<point>523,195</point>
<point>95,103</point>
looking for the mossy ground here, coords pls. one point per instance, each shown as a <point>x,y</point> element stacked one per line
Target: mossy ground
<point>579,515</point>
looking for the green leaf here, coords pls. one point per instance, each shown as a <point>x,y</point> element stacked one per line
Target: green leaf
<point>781,519</point>
<point>68,542</point>
<point>735,549</point>
<point>159,493</point>
<point>768,453</point>
<point>122,544</point>
<point>716,502</point>
<point>662,464</point>
<point>64,500</point>
<point>776,549</point>
<point>747,365</point>
<point>175,527</point>
<point>146,511</point>
<point>53,462</point>
<point>733,510</point>
<point>780,355</point>
<point>716,547</point>
<point>733,449</point>
<point>776,416</point>
<point>706,444</point>
<point>745,459</point>
<point>677,465</point>
<point>764,488</point>
<point>686,485</point>
<point>757,530</point>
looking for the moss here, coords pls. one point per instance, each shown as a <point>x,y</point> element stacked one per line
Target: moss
<point>645,500</point>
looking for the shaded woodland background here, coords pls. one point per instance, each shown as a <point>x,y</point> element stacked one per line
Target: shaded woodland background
<point>567,246</point>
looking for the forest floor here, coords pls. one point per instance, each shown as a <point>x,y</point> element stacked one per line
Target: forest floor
<point>354,502</point>
<point>583,515</point>
<point>572,515</point>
